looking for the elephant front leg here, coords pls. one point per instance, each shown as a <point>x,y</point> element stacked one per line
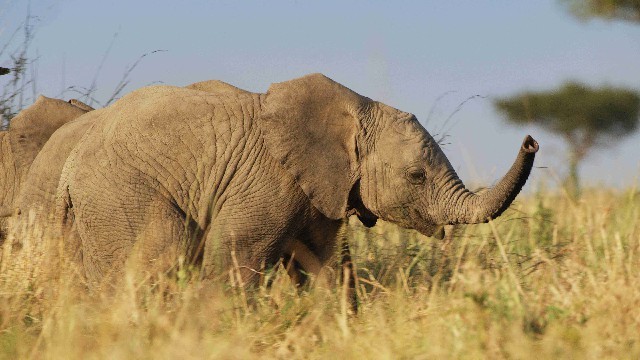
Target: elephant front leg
<point>235,256</point>
<point>300,261</point>
<point>324,253</point>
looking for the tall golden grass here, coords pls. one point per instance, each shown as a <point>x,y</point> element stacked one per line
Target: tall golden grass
<point>551,278</point>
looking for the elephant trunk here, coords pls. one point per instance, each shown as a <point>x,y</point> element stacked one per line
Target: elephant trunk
<point>471,208</point>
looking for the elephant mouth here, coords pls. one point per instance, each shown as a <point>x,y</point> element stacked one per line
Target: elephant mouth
<point>425,227</point>
<point>411,218</point>
<point>430,230</point>
<point>356,206</point>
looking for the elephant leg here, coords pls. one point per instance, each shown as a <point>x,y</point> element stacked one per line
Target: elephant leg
<point>251,231</point>
<point>299,261</point>
<point>145,239</point>
<point>160,243</point>
<point>324,252</point>
<point>236,254</point>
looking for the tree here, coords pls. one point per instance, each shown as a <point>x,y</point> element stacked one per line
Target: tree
<point>627,10</point>
<point>584,117</point>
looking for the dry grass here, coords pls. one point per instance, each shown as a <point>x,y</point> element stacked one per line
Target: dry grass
<point>549,279</point>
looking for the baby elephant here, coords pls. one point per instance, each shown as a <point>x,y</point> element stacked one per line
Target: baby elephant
<point>235,179</point>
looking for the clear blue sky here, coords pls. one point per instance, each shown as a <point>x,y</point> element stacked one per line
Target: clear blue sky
<point>404,53</point>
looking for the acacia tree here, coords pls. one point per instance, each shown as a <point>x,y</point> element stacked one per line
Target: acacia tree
<point>628,10</point>
<point>584,117</point>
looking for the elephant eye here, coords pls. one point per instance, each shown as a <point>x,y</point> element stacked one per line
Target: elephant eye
<point>416,176</point>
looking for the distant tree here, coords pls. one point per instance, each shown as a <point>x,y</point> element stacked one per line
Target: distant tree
<point>627,10</point>
<point>4,71</point>
<point>584,117</point>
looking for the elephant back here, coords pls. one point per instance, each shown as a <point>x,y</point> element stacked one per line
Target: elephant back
<point>217,87</point>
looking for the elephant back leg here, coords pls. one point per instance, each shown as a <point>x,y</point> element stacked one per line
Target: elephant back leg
<point>142,233</point>
<point>164,239</point>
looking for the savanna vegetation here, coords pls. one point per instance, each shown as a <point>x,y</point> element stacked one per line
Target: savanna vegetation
<point>551,278</point>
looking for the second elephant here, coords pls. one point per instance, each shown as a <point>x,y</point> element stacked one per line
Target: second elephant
<point>19,145</point>
<point>27,134</point>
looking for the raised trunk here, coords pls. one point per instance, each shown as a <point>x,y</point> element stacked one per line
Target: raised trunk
<point>473,208</point>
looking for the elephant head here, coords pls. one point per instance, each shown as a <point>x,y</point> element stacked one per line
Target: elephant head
<point>353,155</point>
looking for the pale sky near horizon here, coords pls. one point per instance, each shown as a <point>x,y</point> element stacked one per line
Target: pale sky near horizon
<point>424,57</point>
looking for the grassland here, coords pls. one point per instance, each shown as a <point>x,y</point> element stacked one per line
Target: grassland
<point>551,278</point>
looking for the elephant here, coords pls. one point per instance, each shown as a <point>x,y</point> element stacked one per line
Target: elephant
<point>238,180</point>
<point>37,196</point>
<point>20,144</point>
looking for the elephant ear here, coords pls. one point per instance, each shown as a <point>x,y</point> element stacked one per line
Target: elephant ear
<point>310,125</point>
<point>32,127</point>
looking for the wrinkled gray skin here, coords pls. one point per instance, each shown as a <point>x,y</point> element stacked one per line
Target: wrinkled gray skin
<point>246,178</point>
<point>40,185</point>
<point>27,134</point>
<point>37,198</point>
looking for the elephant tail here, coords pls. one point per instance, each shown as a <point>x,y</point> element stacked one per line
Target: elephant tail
<point>64,212</point>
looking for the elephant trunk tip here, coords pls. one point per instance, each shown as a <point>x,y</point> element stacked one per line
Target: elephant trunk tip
<point>530,145</point>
